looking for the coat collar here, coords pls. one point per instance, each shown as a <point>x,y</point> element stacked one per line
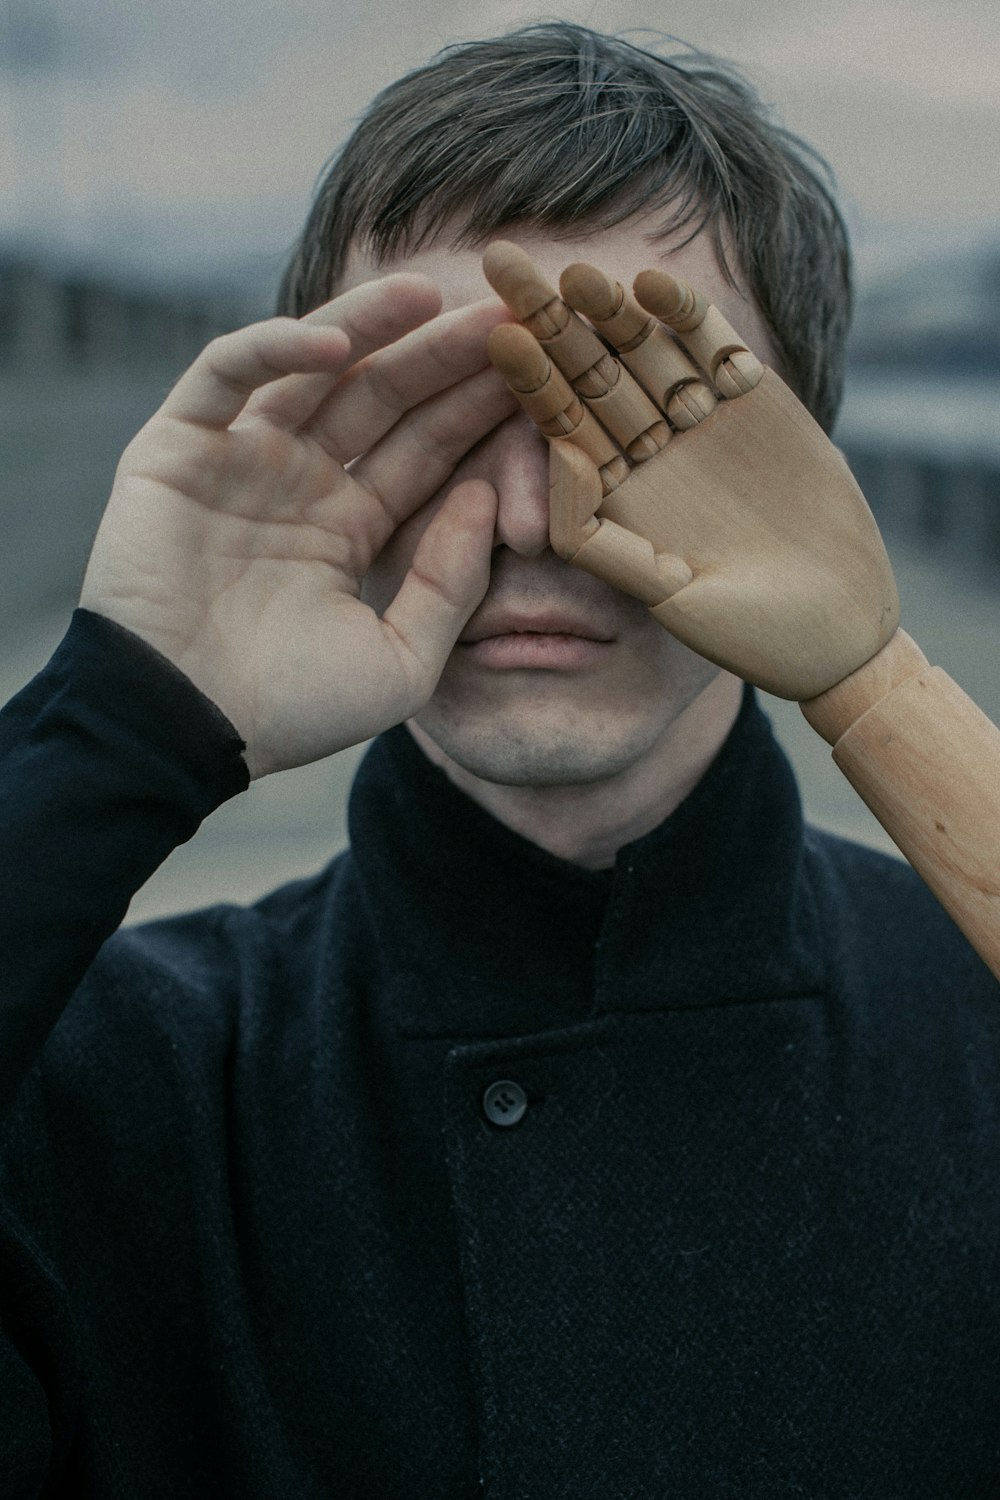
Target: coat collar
<point>477,931</point>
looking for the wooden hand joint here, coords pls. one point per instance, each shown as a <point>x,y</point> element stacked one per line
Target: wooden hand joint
<point>707,336</point>
<point>627,561</point>
<point>834,712</point>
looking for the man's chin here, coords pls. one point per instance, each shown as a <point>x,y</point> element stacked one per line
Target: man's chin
<point>533,753</point>
<point>560,730</point>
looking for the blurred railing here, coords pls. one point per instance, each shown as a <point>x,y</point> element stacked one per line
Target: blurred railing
<point>84,362</point>
<point>950,506</point>
<point>58,319</point>
<point>925,449</point>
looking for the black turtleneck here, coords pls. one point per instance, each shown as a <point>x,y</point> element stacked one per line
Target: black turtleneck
<point>459,1170</point>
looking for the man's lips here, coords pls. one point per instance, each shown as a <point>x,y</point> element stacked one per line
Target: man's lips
<point>547,639</point>
<point>536,623</point>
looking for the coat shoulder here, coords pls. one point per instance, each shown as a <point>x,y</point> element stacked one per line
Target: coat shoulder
<point>883,917</point>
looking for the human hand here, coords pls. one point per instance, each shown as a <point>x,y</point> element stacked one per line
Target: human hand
<point>236,538</point>
<point>707,491</point>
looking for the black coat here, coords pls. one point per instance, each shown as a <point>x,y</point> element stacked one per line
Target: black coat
<point>730,1228</point>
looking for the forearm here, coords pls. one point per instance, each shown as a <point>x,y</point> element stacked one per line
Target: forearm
<point>926,760</point>
<point>109,759</point>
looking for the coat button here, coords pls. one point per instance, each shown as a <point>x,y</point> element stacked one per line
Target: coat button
<point>505,1103</point>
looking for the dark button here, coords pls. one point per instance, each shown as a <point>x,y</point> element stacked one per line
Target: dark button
<point>504,1103</point>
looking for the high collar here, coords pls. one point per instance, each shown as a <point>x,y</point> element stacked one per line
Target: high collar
<point>478,931</point>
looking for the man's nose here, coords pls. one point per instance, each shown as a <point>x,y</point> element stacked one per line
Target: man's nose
<point>520,473</point>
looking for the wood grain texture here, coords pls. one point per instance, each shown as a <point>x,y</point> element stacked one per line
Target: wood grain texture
<point>791,587</point>
<point>832,713</point>
<point>926,760</point>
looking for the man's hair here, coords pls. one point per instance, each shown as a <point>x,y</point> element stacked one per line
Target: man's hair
<point>564,129</point>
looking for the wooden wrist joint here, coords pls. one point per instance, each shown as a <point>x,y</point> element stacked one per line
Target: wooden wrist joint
<point>833,713</point>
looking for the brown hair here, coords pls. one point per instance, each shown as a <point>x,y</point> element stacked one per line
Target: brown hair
<point>561,127</point>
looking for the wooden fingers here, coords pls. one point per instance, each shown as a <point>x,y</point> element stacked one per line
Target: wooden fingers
<point>551,402</point>
<point>706,335</point>
<point>514,276</point>
<point>608,393</point>
<point>620,404</point>
<point>645,347</point>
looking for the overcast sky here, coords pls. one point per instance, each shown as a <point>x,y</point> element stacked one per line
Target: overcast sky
<point>188,133</point>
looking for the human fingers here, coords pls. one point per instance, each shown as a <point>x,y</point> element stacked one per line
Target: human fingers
<point>447,578</point>
<point>421,452</point>
<point>373,315</point>
<point>375,394</point>
<point>216,388</point>
<point>643,344</point>
<point>617,400</point>
<point>708,338</point>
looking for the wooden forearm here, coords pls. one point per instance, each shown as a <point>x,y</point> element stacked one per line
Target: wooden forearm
<point>926,760</point>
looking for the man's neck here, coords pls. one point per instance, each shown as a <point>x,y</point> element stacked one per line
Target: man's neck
<point>588,823</point>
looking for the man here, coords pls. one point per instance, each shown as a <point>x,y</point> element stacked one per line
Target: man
<point>590,1128</point>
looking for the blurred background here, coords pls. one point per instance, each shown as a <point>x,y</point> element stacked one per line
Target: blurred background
<point>156,162</point>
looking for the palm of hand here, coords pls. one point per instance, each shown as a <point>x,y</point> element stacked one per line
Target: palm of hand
<point>268,495</point>
<point>744,533</point>
<point>236,538</point>
<point>268,578</point>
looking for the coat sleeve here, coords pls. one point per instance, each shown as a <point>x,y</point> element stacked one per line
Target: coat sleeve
<point>38,1364</point>
<point>109,758</point>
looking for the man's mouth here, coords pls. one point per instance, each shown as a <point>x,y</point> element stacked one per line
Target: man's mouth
<point>552,639</point>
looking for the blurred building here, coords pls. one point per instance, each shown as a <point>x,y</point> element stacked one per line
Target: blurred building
<point>61,320</point>
<point>84,361</point>
<point>921,418</point>
<point>940,315</point>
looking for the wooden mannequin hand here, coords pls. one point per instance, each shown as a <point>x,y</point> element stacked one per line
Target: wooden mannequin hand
<point>247,511</point>
<point>707,491</point>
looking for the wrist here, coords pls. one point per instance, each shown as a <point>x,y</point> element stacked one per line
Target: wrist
<point>832,713</point>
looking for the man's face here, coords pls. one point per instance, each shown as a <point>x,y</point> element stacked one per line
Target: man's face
<point>558,678</point>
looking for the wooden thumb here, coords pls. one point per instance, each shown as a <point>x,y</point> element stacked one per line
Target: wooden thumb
<point>575,493</point>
